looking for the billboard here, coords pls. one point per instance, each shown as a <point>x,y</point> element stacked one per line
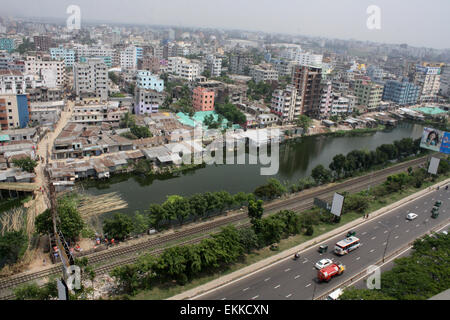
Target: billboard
<point>338,202</point>
<point>434,164</point>
<point>432,139</point>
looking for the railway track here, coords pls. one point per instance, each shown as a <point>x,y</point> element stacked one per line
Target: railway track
<point>305,200</point>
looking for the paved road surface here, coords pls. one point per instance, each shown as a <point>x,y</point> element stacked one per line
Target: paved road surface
<point>296,280</point>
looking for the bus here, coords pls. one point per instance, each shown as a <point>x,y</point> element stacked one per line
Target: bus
<point>346,245</point>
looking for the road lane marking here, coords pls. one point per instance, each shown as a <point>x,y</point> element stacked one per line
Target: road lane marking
<point>297,276</point>
<point>277,287</point>
<point>305,261</point>
<point>396,237</point>
<point>407,230</point>
<point>267,279</point>
<point>385,231</point>
<point>417,225</point>
<point>287,269</point>
<point>396,225</point>
<point>364,233</point>
<point>290,294</point>
<point>373,238</point>
<point>372,250</point>
<point>358,258</point>
<point>223,299</point>
<point>384,243</point>
<point>307,285</point>
<point>255,297</point>
<point>245,289</point>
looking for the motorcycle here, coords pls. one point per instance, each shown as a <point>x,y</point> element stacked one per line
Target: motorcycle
<point>446,187</point>
<point>296,256</point>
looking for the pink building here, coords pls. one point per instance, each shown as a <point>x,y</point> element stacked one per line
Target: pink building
<point>203,99</point>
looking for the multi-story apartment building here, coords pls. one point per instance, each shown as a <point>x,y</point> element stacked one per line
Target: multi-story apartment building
<point>369,93</point>
<point>147,101</point>
<point>401,92</point>
<point>308,59</point>
<point>375,73</point>
<point>428,79</point>
<point>14,111</point>
<point>326,99</point>
<point>240,62</point>
<point>129,57</point>
<point>12,82</point>
<point>51,72</point>
<point>44,94</point>
<point>146,80</point>
<point>203,99</point>
<point>263,72</point>
<point>7,44</point>
<point>61,53</point>
<point>340,106</point>
<point>91,77</point>
<point>184,68</point>
<point>444,88</point>
<point>284,68</point>
<point>42,43</point>
<point>149,63</point>
<point>307,80</point>
<point>286,104</point>
<point>214,65</point>
<point>97,114</point>
<point>84,51</point>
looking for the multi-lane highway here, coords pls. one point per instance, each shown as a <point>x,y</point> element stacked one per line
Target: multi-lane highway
<point>383,235</point>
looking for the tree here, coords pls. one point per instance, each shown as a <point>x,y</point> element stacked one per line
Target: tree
<point>304,122</point>
<point>141,131</point>
<point>320,174</point>
<point>113,77</point>
<point>127,121</point>
<point>157,215</point>
<point>70,222</point>
<point>272,189</point>
<point>26,164</point>
<point>338,164</point>
<point>140,223</point>
<point>13,245</point>
<point>248,239</point>
<point>255,209</point>
<point>198,205</point>
<point>34,292</point>
<point>119,227</point>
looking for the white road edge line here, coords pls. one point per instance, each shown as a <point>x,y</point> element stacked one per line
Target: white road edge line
<point>288,257</point>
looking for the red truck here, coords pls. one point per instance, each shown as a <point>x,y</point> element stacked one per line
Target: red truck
<point>327,273</point>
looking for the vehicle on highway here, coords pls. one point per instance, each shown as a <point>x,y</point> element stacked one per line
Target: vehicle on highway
<point>329,272</point>
<point>438,203</point>
<point>323,263</point>
<point>434,214</point>
<point>335,294</point>
<point>323,248</point>
<point>411,216</point>
<point>347,245</point>
<point>444,232</point>
<point>351,233</point>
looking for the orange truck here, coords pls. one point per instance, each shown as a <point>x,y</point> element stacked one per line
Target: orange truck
<point>327,273</point>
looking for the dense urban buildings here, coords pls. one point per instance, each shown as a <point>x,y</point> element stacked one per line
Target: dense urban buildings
<point>91,77</point>
<point>203,99</point>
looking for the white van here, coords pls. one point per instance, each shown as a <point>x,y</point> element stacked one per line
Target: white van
<point>335,294</point>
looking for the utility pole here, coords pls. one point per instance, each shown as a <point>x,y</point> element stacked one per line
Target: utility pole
<point>387,240</point>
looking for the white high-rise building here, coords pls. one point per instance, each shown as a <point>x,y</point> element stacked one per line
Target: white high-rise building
<point>308,59</point>
<point>428,78</point>
<point>184,68</point>
<point>214,65</point>
<point>51,72</point>
<point>286,104</point>
<point>91,77</point>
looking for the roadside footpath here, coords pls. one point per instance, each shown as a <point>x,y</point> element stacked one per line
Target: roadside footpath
<point>287,254</point>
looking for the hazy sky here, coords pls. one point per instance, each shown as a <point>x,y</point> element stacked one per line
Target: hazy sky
<point>415,22</point>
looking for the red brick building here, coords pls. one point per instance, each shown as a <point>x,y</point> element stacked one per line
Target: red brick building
<point>203,99</point>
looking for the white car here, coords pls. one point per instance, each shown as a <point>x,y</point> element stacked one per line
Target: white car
<point>411,216</point>
<point>323,263</point>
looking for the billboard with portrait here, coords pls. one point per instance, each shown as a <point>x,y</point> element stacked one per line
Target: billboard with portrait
<point>431,139</point>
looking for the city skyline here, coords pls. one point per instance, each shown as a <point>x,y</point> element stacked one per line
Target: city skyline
<point>345,20</point>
